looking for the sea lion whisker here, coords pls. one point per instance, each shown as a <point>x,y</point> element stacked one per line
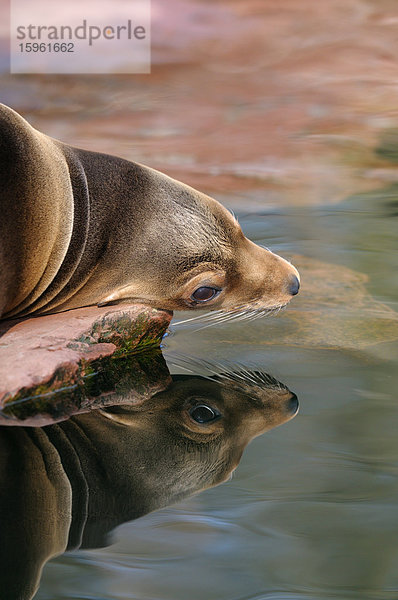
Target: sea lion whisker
<point>225,371</point>
<point>210,322</point>
<point>190,365</point>
<point>247,317</point>
<point>256,314</point>
<point>241,315</point>
<point>236,316</point>
<point>232,376</point>
<point>271,311</point>
<point>252,317</point>
<point>244,316</point>
<point>209,314</point>
<point>219,320</point>
<point>222,317</point>
<point>243,376</point>
<point>204,327</point>
<point>252,375</point>
<point>191,371</point>
<point>190,320</point>
<point>247,376</point>
<point>277,310</point>
<point>263,378</point>
<point>246,311</point>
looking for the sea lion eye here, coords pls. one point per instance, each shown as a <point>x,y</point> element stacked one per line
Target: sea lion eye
<point>204,293</point>
<point>204,414</point>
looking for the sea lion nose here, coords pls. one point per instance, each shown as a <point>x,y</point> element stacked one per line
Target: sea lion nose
<point>294,285</point>
<point>293,404</point>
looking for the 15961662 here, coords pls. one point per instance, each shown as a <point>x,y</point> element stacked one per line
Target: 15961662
<point>47,47</point>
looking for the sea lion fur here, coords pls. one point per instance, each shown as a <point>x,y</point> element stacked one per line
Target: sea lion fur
<point>82,228</point>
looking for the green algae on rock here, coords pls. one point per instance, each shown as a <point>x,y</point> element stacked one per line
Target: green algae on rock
<point>107,381</point>
<point>59,352</point>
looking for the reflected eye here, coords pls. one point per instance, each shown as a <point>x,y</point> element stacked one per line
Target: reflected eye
<point>203,294</point>
<point>204,414</point>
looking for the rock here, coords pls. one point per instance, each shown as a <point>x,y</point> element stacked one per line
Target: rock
<point>109,381</point>
<point>43,354</point>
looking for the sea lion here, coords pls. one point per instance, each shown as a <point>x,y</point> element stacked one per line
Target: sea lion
<point>66,486</point>
<point>80,228</point>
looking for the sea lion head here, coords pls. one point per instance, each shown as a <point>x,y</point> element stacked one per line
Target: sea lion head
<point>192,436</point>
<point>196,256</point>
<point>99,229</point>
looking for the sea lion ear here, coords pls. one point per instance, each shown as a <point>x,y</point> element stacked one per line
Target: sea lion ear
<point>126,418</point>
<point>106,302</point>
<point>128,292</point>
<point>111,299</point>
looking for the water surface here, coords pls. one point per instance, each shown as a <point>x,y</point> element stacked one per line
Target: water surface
<point>312,510</point>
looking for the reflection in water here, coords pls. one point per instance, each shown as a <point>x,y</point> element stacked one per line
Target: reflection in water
<point>70,484</point>
<point>107,381</point>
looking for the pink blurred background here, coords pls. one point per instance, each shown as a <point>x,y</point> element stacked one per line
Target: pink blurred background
<point>247,98</point>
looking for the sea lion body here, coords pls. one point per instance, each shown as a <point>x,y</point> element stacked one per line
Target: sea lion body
<point>80,228</point>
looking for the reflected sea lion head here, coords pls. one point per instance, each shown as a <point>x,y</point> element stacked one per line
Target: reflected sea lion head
<point>194,433</point>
